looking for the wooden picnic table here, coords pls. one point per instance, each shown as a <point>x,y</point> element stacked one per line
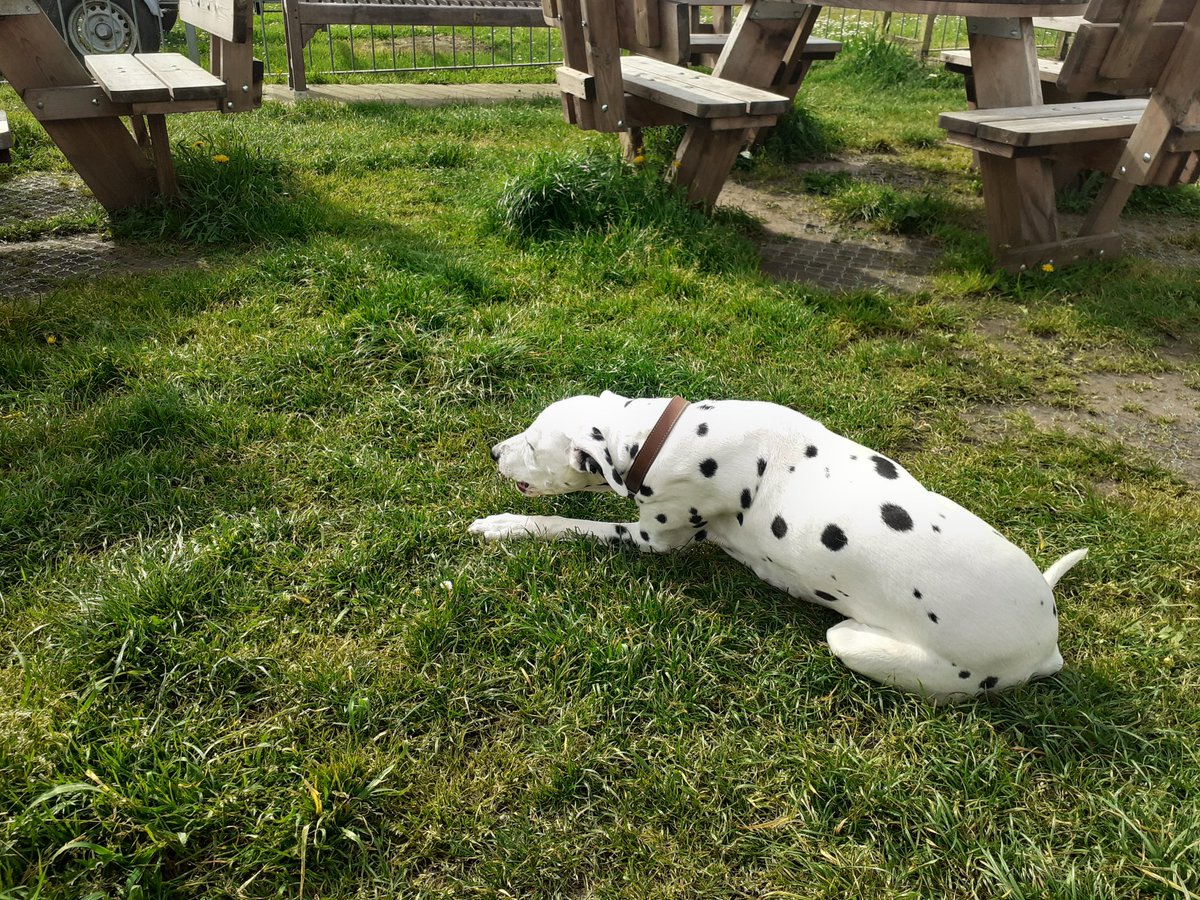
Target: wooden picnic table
<point>1004,54</point>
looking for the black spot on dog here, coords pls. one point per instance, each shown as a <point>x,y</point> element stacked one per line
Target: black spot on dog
<point>692,511</point>
<point>964,674</point>
<point>627,402</point>
<point>778,527</point>
<point>618,479</point>
<point>706,406</point>
<point>697,522</point>
<point>746,498</point>
<point>885,467</point>
<point>762,466</point>
<point>708,468</point>
<point>833,537</point>
<point>791,468</point>
<point>916,593</point>
<point>827,471</point>
<point>1054,609</point>
<point>854,456</point>
<point>702,429</point>
<point>990,682</point>
<point>607,456</point>
<point>828,598</point>
<point>645,536</point>
<point>810,451</point>
<point>701,535</point>
<point>646,491</point>
<point>597,434</point>
<point>621,529</point>
<point>933,618</point>
<point>895,517</point>
<point>936,529</point>
<point>740,518</point>
<point>633,450</point>
<point>661,518</point>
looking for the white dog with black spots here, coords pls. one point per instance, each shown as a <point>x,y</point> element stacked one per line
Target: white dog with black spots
<point>936,601</point>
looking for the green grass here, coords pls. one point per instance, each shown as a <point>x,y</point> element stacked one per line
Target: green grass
<point>250,649</point>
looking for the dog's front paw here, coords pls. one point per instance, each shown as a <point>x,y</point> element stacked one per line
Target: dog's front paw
<point>504,525</point>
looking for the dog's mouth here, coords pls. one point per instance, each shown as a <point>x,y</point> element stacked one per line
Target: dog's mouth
<point>523,487</point>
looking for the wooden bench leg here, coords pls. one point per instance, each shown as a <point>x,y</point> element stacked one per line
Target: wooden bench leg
<point>1018,194</point>
<point>164,165</point>
<point>753,55</point>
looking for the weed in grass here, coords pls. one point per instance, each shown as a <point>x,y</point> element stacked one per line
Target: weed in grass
<point>231,194</point>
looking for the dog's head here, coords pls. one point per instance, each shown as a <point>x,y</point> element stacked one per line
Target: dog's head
<point>564,450</point>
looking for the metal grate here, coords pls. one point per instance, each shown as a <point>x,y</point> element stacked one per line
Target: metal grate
<point>47,260</point>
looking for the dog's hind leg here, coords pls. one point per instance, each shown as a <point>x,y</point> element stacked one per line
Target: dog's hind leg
<point>878,655</point>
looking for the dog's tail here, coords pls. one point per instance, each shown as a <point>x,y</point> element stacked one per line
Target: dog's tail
<point>1062,567</point>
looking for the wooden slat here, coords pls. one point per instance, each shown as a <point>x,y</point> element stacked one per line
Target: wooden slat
<point>1049,70</point>
<point>814,48</point>
<point>183,78</point>
<point>1086,61</point>
<point>1068,24</point>
<point>971,120</point>
<point>227,19</point>
<point>1115,11</point>
<point>695,93</point>
<point>125,79</point>
<point>514,16</point>
<point>1045,131</point>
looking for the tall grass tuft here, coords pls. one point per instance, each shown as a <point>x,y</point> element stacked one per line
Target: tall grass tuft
<point>578,195</point>
<point>231,194</point>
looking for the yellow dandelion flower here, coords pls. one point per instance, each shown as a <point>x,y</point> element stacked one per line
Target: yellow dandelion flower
<point>639,160</point>
<point>220,158</point>
<point>198,144</point>
<point>1047,267</point>
<point>51,339</point>
<point>675,164</point>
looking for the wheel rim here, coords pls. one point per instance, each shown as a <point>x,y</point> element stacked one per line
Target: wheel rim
<point>98,26</point>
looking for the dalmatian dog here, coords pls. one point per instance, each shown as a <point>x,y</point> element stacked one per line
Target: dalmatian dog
<point>936,601</point>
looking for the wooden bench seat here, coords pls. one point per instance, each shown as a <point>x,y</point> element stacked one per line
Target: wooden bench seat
<point>695,93</point>
<point>84,105</point>
<point>6,140</point>
<point>153,78</point>
<point>959,61</point>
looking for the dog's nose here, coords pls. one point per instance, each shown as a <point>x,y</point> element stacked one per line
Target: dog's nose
<point>496,454</point>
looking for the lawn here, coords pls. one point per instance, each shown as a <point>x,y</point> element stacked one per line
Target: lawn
<point>251,650</point>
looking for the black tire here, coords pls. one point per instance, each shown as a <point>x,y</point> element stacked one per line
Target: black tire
<point>105,26</point>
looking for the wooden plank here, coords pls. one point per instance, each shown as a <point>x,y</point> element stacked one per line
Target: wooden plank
<point>645,14</point>
<point>227,19</point>
<point>1044,131</point>
<point>1114,11</point>
<point>1085,62</point>
<point>576,83</point>
<point>1049,70</point>
<point>695,93</point>
<point>319,13</point>
<point>969,121</point>
<point>1069,24</point>
<point>183,78</point>
<point>1061,253</point>
<point>1126,48</point>
<point>603,52</point>
<point>125,79</point>
<point>814,48</point>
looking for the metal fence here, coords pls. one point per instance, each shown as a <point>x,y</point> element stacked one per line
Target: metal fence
<point>340,53</point>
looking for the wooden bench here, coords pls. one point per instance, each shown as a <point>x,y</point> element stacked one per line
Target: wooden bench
<point>1123,47</point>
<point>605,91</point>
<point>1049,68</point>
<point>304,18</point>
<point>6,140</point>
<point>81,109</point>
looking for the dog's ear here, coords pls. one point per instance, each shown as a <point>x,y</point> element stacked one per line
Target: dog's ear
<point>583,461</point>
<point>588,452</point>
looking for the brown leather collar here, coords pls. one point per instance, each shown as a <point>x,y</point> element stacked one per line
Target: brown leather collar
<point>654,443</point>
